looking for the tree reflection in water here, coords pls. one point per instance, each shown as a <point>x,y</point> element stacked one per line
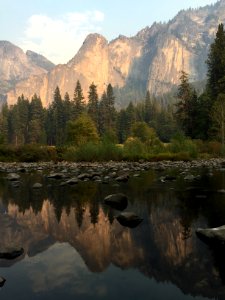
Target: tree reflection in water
<point>163,247</point>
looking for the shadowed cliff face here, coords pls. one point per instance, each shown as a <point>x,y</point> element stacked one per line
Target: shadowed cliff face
<point>15,65</point>
<point>152,59</point>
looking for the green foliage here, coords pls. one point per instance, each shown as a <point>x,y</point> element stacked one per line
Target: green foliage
<point>94,152</point>
<point>27,153</point>
<point>81,131</point>
<point>180,144</point>
<point>216,65</point>
<point>107,112</point>
<point>134,149</point>
<point>78,100</point>
<point>146,134</point>
<point>187,106</point>
<point>93,104</point>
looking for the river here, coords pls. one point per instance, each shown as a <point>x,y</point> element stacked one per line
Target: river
<point>74,247</point>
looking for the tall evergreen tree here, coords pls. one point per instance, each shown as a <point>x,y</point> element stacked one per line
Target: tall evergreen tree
<point>57,116</point>
<point>187,106</point>
<point>216,65</point>
<point>78,99</point>
<point>4,125</point>
<point>107,111</point>
<point>19,118</point>
<point>93,110</point>
<point>36,132</point>
<point>148,108</point>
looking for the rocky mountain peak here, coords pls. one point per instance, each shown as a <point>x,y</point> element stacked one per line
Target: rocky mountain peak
<point>94,38</point>
<point>40,60</point>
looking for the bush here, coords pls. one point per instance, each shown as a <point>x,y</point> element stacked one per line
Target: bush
<point>35,153</point>
<point>180,144</point>
<point>134,149</point>
<point>7,153</point>
<point>94,152</point>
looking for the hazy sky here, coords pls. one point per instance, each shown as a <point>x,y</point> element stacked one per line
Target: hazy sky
<point>57,28</point>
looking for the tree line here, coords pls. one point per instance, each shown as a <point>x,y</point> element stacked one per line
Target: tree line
<point>73,121</point>
<point>69,121</point>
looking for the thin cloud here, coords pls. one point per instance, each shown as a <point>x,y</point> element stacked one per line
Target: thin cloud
<point>60,38</point>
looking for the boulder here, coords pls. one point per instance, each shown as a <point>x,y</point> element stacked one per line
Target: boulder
<point>212,235</point>
<point>11,254</point>
<point>129,219</point>
<point>37,185</point>
<point>123,178</point>
<point>56,175</point>
<point>118,201</point>
<point>72,181</point>
<point>84,176</point>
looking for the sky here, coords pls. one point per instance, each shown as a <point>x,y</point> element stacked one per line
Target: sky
<point>57,28</point>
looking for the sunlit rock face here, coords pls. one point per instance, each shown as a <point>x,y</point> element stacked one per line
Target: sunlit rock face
<point>15,65</point>
<point>151,60</point>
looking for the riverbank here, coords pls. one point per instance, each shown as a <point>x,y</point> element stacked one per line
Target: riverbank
<point>72,173</point>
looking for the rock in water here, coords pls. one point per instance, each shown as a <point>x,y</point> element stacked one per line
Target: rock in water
<point>12,254</point>
<point>129,219</point>
<point>212,235</point>
<point>2,281</point>
<point>37,185</point>
<point>117,201</point>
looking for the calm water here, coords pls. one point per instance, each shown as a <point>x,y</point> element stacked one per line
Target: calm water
<point>75,249</point>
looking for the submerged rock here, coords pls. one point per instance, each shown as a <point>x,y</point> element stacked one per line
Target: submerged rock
<point>129,219</point>
<point>11,254</point>
<point>212,235</point>
<point>2,281</point>
<point>118,201</point>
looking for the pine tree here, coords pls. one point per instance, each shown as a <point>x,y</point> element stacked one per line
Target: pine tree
<point>36,132</point>
<point>107,111</point>
<point>187,105</point>
<point>93,110</point>
<point>57,118</point>
<point>148,108</point>
<point>4,124</point>
<point>218,117</point>
<point>216,65</point>
<point>78,99</point>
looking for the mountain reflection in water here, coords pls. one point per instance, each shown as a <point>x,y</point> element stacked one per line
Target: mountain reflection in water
<point>74,246</point>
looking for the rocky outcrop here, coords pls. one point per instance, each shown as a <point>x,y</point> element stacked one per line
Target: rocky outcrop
<point>15,65</point>
<point>39,60</point>
<point>150,60</point>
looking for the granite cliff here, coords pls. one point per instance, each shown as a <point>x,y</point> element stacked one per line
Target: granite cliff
<point>152,59</point>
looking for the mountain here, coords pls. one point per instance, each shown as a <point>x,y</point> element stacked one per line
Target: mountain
<point>152,59</point>
<point>39,60</point>
<point>15,65</point>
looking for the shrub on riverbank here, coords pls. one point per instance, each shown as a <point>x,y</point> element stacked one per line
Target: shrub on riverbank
<point>132,150</point>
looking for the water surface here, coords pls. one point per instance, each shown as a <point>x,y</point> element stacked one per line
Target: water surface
<point>76,249</point>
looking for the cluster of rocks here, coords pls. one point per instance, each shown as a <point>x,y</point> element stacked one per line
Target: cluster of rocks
<point>119,202</point>
<point>70,173</point>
